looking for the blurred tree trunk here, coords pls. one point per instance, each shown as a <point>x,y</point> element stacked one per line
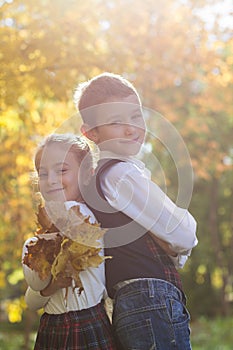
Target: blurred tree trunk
<point>29,322</point>
<point>216,241</point>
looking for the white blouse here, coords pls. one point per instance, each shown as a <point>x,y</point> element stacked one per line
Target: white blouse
<point>93,281</point>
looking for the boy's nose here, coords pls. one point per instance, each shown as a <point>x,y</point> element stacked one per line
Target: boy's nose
<point>129,129</point>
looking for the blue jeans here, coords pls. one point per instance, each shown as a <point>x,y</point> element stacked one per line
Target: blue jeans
<point>150,314</point>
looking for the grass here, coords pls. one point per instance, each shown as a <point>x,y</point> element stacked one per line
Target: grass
<point>15,341</point>
<point>215,334</point>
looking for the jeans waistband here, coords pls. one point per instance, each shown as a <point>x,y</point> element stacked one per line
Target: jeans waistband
<point>150,284</point>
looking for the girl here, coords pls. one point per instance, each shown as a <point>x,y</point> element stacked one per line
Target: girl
<point>72,319</point>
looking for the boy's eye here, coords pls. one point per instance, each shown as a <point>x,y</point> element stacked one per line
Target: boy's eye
<point>116,122</point>
<point>62,171</point>
<point>137,116</point>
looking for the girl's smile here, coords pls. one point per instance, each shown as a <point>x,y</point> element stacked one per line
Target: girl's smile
<point>58,170</point>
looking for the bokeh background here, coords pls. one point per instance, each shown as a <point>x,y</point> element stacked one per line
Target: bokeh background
<point>179,56</point>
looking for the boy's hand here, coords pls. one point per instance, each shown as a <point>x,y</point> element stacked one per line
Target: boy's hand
<point>56,284</point>
<point>164,245</point>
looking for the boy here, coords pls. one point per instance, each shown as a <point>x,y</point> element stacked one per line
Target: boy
<point>149,304</point>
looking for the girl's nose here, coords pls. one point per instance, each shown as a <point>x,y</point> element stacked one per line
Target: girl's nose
<point>53,178</point>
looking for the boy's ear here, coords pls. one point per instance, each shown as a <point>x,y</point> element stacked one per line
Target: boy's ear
<point>90,133</point>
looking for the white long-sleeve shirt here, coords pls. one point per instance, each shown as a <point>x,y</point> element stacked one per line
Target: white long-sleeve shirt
<point>128,187</point>
<point>93,281</point>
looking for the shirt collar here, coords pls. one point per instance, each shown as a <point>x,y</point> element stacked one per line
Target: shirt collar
<point>131,159</point>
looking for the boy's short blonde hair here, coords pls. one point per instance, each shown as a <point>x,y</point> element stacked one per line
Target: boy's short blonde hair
<point>103,88</point>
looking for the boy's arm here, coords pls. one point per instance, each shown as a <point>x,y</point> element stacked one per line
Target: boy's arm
<point>164,245</point>
<point>129,191</point>
<point>178,259</point>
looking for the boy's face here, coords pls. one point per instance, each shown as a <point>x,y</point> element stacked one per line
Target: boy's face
<point>58,170</point>
<point>120,126</point>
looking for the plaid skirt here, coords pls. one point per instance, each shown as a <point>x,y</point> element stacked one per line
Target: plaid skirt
<point>88,329</point>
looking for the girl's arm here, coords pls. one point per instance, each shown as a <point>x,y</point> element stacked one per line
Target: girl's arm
<point>56,284</point>
<point>35,300</point>
<point>128,190</point>
<point>32,278</point>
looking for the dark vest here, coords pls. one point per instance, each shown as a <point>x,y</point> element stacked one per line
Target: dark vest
<point>134,252</point>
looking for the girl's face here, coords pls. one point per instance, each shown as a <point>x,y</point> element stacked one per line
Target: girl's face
<point>58,171</point>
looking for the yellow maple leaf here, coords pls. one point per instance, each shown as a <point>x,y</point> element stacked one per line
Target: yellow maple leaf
<point>76,247</point>
<point>74,258</point>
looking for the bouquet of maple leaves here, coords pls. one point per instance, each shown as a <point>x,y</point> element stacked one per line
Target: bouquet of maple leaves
<point>67,243</point>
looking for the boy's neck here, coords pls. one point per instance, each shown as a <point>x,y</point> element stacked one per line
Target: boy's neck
<point>112,155</point>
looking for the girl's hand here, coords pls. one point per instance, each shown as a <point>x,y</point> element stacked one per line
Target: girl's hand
<point>56,284</point>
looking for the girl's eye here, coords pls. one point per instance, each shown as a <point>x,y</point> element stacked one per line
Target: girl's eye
<point>42,175</point>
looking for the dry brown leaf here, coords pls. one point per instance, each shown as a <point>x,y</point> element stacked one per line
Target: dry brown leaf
<point>41,255</point>
<point>74,249</point>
